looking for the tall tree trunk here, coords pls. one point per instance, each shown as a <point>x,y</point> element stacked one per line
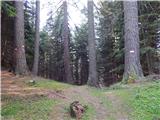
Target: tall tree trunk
<point>65,37</point>
<point>21,65</point>
<point>84,70</point>
<point>37,37</point>
<point>133,70</point>
<point>0,30</point>
<point>77,70</point>
<point>92,80</point>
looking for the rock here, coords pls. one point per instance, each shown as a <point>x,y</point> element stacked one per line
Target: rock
<point>31,82</point>
<point>77,110</point>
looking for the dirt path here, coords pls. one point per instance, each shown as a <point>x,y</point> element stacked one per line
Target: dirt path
<point>82,94</point>
<point>118,109</point>
<point>14,85</point>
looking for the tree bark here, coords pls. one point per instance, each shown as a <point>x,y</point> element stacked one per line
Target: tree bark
<point>84,70</point>
<point>77,80</point>
<point>92,80</point>
<point>65,37</point>
<point>0,30</point>
<point>37,38</point>
<point>21,64</point>
<point>133,69</point>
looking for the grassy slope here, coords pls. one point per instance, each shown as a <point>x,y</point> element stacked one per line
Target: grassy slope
<point>33,107</point>
<point>138,101</point>
<point>141,102</point>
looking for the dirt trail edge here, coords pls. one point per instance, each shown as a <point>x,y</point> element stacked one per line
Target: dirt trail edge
<point>82,94</point>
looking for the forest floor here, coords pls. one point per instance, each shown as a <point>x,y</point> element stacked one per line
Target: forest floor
<point>50,100</point>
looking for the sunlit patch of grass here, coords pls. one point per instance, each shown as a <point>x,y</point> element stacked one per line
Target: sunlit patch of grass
<point>51,84</point>
<point>27,109</point>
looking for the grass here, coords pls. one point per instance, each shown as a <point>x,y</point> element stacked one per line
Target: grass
<point>27,108</point>
<point>101,95</point>
<point>51,84</point>
<point>34,107</point>
<point>89,113</point>
<point>141,101</point>
<point>144,101</point>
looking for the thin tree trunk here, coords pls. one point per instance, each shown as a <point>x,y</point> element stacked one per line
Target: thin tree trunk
<point>92,80</point>
<point>36,42</point>
<point>21,65</point>
<point>65,36</point>
<point>133,70</point>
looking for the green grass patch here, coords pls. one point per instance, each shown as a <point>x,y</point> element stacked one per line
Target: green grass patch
<point>27,109</point>
<point>11,109</point>
<point>51,84</point>
<point>144,101</point>
<point>89,113</point>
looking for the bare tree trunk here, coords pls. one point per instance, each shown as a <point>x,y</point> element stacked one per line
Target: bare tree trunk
<point>37,37</point>
<point>0,32</point>
<point>77,70</point>
<point>133,69</point>
<point>84,70</point>
<point>92,80</point>
<point>21,65</point>
<point>65,37</point>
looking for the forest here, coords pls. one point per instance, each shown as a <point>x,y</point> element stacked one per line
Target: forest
<point>107,67</point>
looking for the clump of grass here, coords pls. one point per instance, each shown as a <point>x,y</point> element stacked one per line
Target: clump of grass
<point>26,109</point>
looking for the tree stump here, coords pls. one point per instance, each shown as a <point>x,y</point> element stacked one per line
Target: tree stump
<point>77,110</point>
